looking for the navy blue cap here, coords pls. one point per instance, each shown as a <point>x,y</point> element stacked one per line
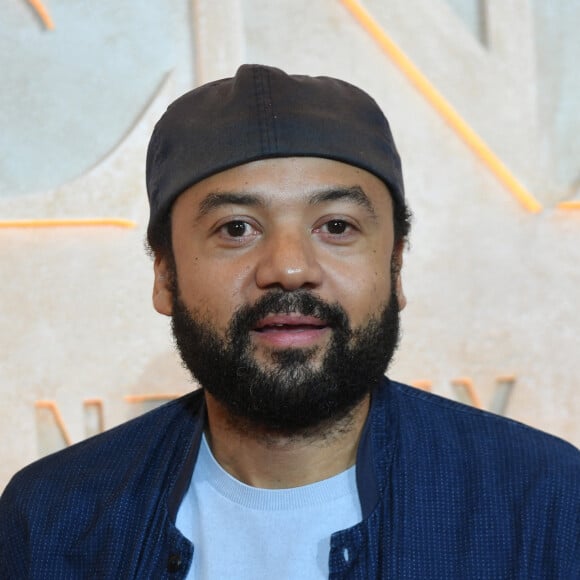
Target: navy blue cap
<point>260,113</point>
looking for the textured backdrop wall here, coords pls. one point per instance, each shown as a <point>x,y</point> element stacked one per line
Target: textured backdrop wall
<point>493,314</point>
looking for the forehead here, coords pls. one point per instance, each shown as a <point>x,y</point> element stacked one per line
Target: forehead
<point>284,180</point>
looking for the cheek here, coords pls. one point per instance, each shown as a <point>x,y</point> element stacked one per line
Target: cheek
<point>381,276</point>
<point>364,293</point>
<point>214,289</point>
<point>239,281</point>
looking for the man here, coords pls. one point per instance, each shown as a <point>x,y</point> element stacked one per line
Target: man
<point>277,226</point>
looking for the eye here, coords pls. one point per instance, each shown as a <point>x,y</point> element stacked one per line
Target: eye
<point>336,230</point>
<point>237,229</point>
<point>336,227</point>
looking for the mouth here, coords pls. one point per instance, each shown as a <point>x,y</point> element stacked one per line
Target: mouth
<point>290,330</point>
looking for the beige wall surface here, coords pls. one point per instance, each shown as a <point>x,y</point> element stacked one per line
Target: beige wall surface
<point>493,314</point>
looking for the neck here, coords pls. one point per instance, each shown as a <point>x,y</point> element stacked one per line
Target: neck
<point>261,458</point>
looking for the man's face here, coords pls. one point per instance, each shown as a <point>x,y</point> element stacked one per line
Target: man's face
<point>284,304</point>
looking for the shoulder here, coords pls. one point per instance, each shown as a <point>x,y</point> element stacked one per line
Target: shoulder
<point>437,407</point>
<point>512,490</point>
<point>87,472</point>
<point>433,426</point>
<point>97,498</point>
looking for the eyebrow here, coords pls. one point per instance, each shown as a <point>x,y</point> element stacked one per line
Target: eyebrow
<point>354,194</point>
<point>219,199</point>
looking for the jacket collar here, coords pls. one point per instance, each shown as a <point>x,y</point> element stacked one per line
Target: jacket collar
<point>374,453</point>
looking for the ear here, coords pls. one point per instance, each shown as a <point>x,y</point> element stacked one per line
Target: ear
<point>162,286</point>
<point>397,265</point>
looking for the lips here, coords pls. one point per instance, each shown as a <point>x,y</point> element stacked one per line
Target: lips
<point>288,322</point>
<point>290,330</point>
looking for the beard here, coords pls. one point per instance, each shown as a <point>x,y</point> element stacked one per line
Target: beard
<point>295,393</point>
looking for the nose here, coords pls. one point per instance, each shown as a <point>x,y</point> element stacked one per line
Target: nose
<point>288,261</point>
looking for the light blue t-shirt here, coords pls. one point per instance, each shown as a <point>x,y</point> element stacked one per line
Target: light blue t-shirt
<point>241,532</point>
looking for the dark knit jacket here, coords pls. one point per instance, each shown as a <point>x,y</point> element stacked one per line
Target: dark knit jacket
<point>446,491</point>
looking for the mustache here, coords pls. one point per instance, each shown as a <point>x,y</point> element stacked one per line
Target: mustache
<point>301,302</point>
